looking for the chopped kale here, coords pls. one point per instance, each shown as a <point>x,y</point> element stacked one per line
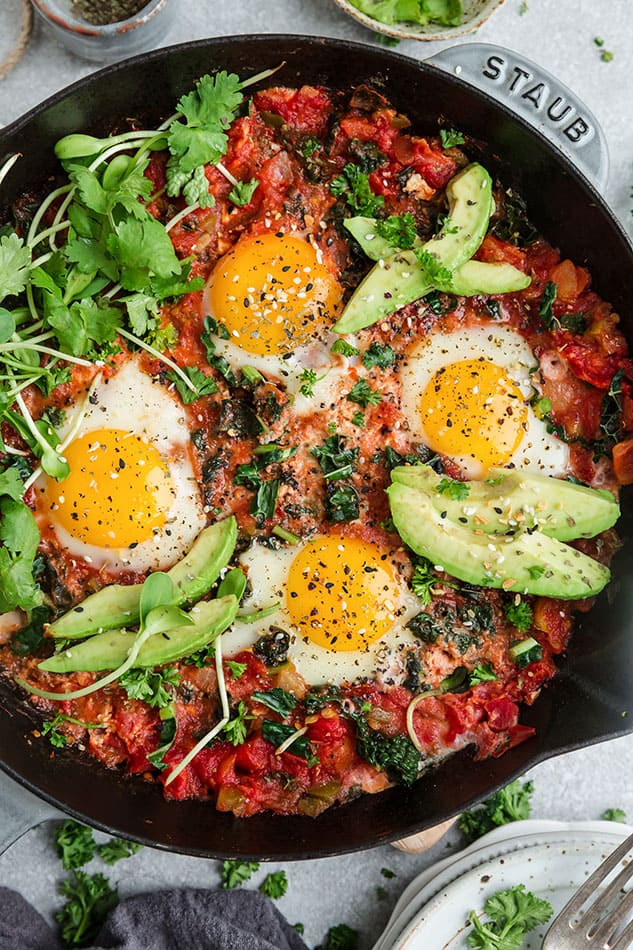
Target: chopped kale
<point>335,459</point>
<point>342,503</point>
<point>395,754</point>
<point>29,639</point>
<point>513,225</point>
<point>272,648</point>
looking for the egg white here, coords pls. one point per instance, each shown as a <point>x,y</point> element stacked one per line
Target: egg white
<point>539,450</point>
<point>132,401</point>
<point>268,574</point>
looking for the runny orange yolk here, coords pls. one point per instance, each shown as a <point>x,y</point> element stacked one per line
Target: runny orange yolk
<point>342,593</point>
<point>472,409</point>
<point>118,491</point>
<point>269,291</point>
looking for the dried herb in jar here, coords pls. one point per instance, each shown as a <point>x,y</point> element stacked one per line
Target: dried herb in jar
<point>100,12</point>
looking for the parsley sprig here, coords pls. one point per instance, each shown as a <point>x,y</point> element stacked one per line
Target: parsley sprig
<point>512,914</point>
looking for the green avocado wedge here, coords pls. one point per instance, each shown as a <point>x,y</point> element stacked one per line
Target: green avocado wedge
<point>400,280</point>
<point>523,563</point>
<point>118,604</point>
<point>508,500</point>
<point>107,651</point>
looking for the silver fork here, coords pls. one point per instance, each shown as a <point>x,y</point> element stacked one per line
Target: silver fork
<point>600,926</point>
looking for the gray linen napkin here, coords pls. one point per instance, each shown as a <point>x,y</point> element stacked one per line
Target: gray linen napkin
<point>166,920</point>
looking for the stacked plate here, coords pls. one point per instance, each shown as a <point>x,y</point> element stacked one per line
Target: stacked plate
<point>552,859</point>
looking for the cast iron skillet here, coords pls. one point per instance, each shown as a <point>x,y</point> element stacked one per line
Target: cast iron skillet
<point>586,701</point>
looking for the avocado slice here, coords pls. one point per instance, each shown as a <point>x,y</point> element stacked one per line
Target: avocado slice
<point>107,651</point>
<point>508,500</point>
<point>400,280</point>
<point>473,277</point>
<point>118,604</point>
<point>524,563</point>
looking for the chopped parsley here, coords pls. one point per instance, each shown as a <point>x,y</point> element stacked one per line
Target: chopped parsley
<point>512,914</point>
<point>236,728</point>
<point>358,419</point>
<point>423,580</point>
<point>482,673</point>
<point>204,385</point>
<point>117,849</point>
<point>308,378</point>
<point>150,686</point>
<point>451,137</point>
<point>362,394</point>
<point>511,803</point>
<point>453,489</point>
<point>380,355</point>
<point>274,885</point>
<point>340,937</point>
<point>519,615</point>
<point>75,844</point>
<point>235,873</point>
<point>434,270</point>
<point>344,348</point>
<point>89,899</point>
<point>236,669</point>
<point>242,193</point>
<point>614,814</point>
<point>399,230</point>
<point>353,185</point>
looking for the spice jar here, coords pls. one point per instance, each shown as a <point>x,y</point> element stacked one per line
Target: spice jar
<point>95,30</point>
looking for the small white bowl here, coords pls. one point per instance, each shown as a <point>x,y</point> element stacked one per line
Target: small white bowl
<point>111,41</point>
<point>475,14</point>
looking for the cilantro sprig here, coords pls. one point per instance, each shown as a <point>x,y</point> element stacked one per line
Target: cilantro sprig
<point>512,914</point>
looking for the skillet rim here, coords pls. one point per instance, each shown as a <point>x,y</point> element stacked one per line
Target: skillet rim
<point>389,59</point>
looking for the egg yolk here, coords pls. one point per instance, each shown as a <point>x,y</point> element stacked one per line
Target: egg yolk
<point>341,593</point>
<point>269,291</point>
<point>118,490</point>
<point>470,408</point>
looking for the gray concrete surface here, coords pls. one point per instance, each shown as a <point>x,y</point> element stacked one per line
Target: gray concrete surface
<point>559,34</point>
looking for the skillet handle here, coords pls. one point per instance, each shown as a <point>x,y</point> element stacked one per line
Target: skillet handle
<point>20,811</point>
<point>537,96</point>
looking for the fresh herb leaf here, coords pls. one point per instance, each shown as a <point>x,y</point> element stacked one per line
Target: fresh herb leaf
<point>310,146</point>
<point>434,270</point>
<point>535,571</point>
<point>274,885</point>
<point>440,304</point>
<point>482,673</point>
<point>308,378</point>
<point>277,699</point>
<point>236,728</point>
<point>237,669</point>
<point>380,355</point>
<point>513,913</point>
<point>15,262</point>
<point>358,419</point>
<point>205,385</point>
<point>150,686</point>
<point>451,137</point>
<point>519,615</point>
<point>340,937</point>
<point>30,638</point>
<point>169,729</point>
<point>56,738</point>
<point>453,489</point>
<point>388,873</point>
<point>116,849</point>
<point>423,580</point>
<point>199,137</point>
<point>242,193</point>
<point>614,814</point>
<point>511,803</point>
<point>89,899</point>
<point>236,873</point>
<point>353,185</point>
<point>545,307</point>
<point>399,230</point>
<point>19,540</point>
<point>75,844</point>
<point>344,348</point>
<point>362,394</point>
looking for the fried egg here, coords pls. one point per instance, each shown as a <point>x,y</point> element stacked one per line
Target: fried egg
<point>277,300</point>
<point>342,601</point>
<point>131,501</point>
<point>466,395</point>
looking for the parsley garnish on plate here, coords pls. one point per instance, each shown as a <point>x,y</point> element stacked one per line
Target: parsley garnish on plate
<point>512,914</point>
<point>519,615</point>
<point>75,844</point>
<point>451,137</point>
<point>399,230</point>
<point>353,185</point>
<point>453,489</point>
<point>117,849</point>
<point>511,803</point>
<point>362,394</point>
<point>150,686</point>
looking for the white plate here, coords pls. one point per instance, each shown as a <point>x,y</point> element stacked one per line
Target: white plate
<point>552,859</point>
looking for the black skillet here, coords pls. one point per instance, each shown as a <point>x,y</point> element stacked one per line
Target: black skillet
<point>588,699</point>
